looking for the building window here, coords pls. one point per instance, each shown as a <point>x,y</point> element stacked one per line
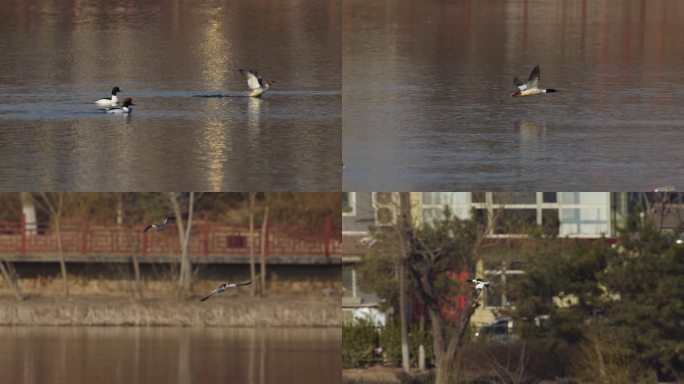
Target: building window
<point>550,197</point>
<point>514,221</point>
<point>348,203</point>
<point>236,241</point>
<point>349,280</point>
<point>584,213</point>
<point>479,197</point>
<point>576,214</point>
<point>433,204</point>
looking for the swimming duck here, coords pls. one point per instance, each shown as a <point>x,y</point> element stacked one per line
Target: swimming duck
<point>110,100</point>
<point>256,84</point>
<point>529,88</point>
<point>161,226</point>
<point>125,108</point>
<point>225,286</point>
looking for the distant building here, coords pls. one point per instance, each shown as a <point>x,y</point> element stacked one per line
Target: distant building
<point>586,215</point>
<point>358,216</point>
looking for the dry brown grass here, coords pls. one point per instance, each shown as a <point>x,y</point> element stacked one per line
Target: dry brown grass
<point>79,285</point>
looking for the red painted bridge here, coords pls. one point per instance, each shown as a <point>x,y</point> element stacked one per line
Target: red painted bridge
<point>210,242</point>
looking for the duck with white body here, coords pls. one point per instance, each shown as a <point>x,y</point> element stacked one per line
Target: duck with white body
<point>110,101</point>
<point>256,84</point>
<point>124,109</point>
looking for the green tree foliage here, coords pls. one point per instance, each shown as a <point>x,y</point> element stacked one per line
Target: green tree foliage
<point>390,340</point>
<point>378,271</point>
<point>621,304</point>
<point>359,339</point>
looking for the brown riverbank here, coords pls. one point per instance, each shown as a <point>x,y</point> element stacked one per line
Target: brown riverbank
<point>221,311</point>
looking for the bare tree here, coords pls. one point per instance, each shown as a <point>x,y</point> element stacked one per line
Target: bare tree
<point>264,226</point>
<point>119,209</point>
<point>405,357</point>
<point>185,274</point>
<point>448,244</point>
<point>252,263</point>
<point>435,253</point>
<point>10,275</point>
<point>28,209</point>
<point>55,205</point>
<point>405,226</point>
<point>133,243</point>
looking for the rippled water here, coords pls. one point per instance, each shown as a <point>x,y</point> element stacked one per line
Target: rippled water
<point>59,56</point>
<point>427,91</point>
<point>169,355</point>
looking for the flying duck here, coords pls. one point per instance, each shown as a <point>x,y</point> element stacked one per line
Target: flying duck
<point>256,84</point>
<point>529,88</point>
<point>225,286</point>
<point>479,284</point>
<point>159,227</point>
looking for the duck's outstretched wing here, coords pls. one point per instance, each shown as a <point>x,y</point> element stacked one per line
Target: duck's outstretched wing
<point>169,218</point>
<point>531,82</point>
<point>534,78</point>
<point>247,282</point>
<point>252,77</point>
<point>520,84</point>
<point>209,295</point>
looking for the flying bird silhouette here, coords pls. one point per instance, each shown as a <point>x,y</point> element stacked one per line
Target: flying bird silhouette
<point>225,286</point>
<point>159,227</point>
<point>530,87</point>
<point>480,285</point>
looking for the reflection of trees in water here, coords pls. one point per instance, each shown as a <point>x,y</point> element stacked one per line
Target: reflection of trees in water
<point>133,355</point>
<point>184,369</point>
<point>253,377</point>
<point>531,133</point>
<point>262,361</point>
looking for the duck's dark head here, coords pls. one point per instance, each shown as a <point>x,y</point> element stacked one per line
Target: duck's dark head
<point>551,90</point>
<point>115,90</point>
<point>128,102</point>
<point>271,82</point>
<point>517,94</point>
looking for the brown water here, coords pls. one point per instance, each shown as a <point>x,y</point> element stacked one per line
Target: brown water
<point>169,355</point>
<point>58,56</point>
<point>427,95</point>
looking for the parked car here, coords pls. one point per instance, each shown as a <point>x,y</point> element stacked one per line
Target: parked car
<point>499,330</point>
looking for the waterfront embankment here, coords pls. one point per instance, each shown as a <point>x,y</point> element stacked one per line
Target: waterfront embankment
<point>220,311</point>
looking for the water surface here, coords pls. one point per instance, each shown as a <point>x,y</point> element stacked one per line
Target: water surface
<point>131,355</point>
<point>59,56</point>
<point>427,91</point>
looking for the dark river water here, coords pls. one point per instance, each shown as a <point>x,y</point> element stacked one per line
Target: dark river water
<point>130,355</point>
<point>427,91</point>
<point>58,56</point>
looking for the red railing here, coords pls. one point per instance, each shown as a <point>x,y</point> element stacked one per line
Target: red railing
<point>207,238</point>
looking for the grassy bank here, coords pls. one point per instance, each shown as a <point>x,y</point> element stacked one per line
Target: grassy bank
<point>225,310</point>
